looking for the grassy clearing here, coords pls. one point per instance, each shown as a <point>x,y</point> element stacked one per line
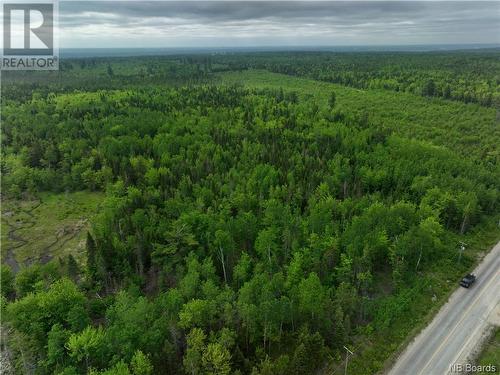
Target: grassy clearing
<point>49,227</point>
<point>461,127</point>
<point>491,352</point>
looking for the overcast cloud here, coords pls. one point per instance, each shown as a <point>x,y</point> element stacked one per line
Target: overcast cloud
<point>89,24</point>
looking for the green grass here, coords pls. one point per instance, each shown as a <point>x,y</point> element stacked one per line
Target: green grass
<point>491,353</point>
<point>49,227</point>
<point>461,127</point>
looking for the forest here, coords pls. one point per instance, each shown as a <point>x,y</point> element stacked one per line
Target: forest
<point>256,212</point>
<point>470,77</point>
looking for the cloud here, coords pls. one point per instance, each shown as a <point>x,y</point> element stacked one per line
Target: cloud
<point>253,23</point>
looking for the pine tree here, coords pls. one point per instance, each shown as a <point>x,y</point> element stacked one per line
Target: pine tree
<point>332,100</point>
<point>91,256</point>
<point>73,269</point>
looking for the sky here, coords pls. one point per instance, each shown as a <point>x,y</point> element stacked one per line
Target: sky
<point>129,24</point>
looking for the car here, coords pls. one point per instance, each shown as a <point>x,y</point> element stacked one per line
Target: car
<point>468,280</point>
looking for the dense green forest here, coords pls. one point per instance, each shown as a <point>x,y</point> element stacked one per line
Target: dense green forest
<point>248,228</point>
<point>468,77</point>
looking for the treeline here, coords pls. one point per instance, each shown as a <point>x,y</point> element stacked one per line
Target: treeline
<point>470,77</point>
<point>466,76</point>
<point>105,73</point>
<point>243,230</point>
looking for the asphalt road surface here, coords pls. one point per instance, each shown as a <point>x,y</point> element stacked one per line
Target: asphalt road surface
<point>458,327</point>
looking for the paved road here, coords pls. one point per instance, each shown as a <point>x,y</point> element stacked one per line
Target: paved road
<point>458,327</point>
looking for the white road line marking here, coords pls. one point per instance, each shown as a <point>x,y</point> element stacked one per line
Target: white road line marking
<point>485,288</point>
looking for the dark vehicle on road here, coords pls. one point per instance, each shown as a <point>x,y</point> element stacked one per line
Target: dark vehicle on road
<point>468,280</point>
